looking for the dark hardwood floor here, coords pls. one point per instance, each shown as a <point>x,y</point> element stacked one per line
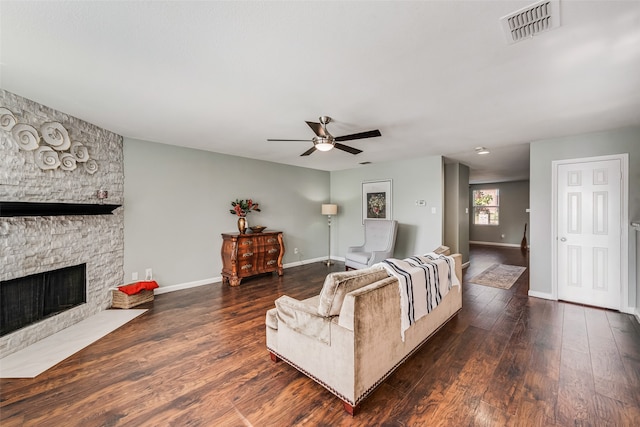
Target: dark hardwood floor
<point>198,358</point>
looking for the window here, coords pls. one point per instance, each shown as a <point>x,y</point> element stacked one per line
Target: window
<point>486,207</point>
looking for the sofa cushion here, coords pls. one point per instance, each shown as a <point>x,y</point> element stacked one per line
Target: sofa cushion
<point>338,284</point>
<point>301,316</point>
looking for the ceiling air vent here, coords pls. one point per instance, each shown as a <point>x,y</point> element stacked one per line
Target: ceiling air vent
<point>531,20</point>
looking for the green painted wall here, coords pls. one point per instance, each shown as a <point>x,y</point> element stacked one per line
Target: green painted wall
<point>618,141</point>
<point>177,203</point>
<point>419,229</point>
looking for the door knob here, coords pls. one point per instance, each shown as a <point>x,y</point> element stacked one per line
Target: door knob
<point>563,239</point>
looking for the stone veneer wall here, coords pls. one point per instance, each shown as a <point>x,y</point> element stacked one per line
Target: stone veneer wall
<point>30,245</point>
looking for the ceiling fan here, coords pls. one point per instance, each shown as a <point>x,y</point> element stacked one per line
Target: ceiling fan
<point>324,141</point>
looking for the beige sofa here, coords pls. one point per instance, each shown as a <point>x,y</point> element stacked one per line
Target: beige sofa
<point>348,338</point>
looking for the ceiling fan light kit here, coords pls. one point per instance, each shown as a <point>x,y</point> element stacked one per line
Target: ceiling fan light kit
<point>324,141</point>
<point>323,144</point>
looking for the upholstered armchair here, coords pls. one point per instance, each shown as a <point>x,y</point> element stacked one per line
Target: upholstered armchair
<point>379,242</point>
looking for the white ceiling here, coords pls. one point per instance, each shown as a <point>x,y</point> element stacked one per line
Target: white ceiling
<point>436,77</point>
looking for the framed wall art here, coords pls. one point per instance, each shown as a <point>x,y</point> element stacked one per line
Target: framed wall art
<point>376,200</point>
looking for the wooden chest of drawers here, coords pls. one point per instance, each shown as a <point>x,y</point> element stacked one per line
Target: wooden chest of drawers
<point>246,255</point>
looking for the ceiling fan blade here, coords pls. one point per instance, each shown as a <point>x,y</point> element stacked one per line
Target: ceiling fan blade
<point>347,148</point>
<point>316,128</point>
<point>361,135</point>
<point>309,151</point>
<point>298,140</point>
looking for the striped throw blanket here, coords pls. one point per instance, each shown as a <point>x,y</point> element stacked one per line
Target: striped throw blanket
<point>424,282</point>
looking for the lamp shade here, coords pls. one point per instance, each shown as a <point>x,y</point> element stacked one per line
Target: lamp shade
<point>329,209</point>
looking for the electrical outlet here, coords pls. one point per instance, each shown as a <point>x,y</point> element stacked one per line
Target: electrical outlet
<point>295,250</point>
<point>148,274</point>
<point>134,275</point>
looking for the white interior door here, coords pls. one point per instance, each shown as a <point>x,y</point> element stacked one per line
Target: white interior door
<point>589,232</point>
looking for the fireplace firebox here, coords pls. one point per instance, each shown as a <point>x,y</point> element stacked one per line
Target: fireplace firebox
<point>29,299</point>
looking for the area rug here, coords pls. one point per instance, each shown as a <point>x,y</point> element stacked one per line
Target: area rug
<point>48,352</point>
<point>499,276</point>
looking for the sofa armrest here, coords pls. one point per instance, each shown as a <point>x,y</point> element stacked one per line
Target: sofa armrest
<point>303,318</point>
<point>355,249</point>
<point>443,250</point>
<point>458,259</point>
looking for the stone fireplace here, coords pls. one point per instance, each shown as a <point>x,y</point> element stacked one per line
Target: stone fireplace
<point>41,242</point>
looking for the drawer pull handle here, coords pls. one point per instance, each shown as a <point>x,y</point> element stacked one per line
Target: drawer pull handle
<point>247,255</point>
<point>271,240</point>
<point>248,242</point>
<point>246,267</point>
<point>273,250</point>
<point>271,262</point>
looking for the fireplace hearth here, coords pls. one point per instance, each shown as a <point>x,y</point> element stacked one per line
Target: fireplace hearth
<point>27,300</point>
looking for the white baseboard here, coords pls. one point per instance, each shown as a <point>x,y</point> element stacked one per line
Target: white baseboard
<point>466,264</point>
<point>311,261</point>
<point>212,280</point>
<point>542,295</point>
<point>508,245</point>
<point>181,286</point>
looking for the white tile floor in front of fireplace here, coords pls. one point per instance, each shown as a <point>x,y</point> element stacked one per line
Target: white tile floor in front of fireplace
<point>42,355</point>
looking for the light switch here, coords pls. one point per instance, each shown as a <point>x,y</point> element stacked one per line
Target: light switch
<point>433,210</point>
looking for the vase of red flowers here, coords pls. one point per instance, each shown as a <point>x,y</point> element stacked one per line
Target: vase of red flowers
<point>241,208</point>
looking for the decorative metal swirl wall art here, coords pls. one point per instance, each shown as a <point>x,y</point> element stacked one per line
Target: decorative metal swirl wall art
<point>26,136</point>
<point>46,158</point>
<point>55,135</point>
<point>54,149</point>
<point>67,162</point>
<point>79,152</point>
<point>91,166</point>
<point>7,119</point>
